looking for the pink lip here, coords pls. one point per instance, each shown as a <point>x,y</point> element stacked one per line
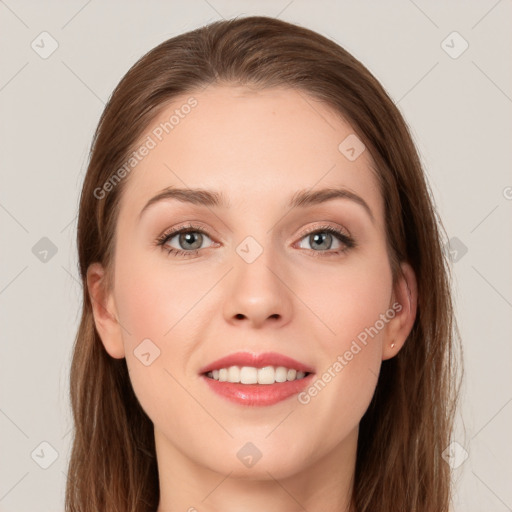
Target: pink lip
<point>257,361</point>
<point>258,394</point>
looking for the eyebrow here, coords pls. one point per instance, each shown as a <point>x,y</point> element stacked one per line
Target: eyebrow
<point>211,198</point>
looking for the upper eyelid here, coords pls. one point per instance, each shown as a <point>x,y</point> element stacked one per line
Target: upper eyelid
<point>187,228</point>
<point>337,227</point>
<point>171,233</point>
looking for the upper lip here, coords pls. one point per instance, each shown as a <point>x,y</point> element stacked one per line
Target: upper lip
<point>257,361</point>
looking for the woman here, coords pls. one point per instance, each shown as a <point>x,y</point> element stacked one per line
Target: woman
<point>267,321</point>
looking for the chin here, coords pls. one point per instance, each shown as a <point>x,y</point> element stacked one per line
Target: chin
<point>277,456</point>
<point>268,469</point>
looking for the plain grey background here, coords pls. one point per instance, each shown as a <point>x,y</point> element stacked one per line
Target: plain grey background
<point>448,67</point>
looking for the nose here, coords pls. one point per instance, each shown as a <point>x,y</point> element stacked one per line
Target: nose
<point>258,293</point>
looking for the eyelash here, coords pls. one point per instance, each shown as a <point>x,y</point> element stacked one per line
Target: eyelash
<point>190,228</point>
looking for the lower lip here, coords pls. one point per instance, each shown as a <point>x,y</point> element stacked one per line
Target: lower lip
<point>258,394</point>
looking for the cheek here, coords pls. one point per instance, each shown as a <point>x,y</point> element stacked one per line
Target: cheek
<point>352,305</point>
<point>153,298</point>
<point>348,300</point>
<point>160,303</point>
<point>150,304</point>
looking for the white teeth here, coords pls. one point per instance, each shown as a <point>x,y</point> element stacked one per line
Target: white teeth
<point>233,374</point>
<point>281,373</point>
<point>252,375</point>
<point>248,375</point>
<point>266,375</point>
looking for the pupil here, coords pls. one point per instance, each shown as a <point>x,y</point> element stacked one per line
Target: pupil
<point>319,236</point>
<point>188,238</point>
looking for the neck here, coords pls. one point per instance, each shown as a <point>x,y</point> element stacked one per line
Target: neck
<point>319,485</point>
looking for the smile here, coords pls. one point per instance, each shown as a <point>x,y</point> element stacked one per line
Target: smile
<point>252,379</point>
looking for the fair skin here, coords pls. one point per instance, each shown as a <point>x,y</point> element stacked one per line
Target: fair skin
<point>258,148</point>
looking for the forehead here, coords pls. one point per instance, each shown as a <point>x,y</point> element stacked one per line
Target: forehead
<point>253,145</point>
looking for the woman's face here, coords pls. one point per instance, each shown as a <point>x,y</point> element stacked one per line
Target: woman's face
<point>256,273</point>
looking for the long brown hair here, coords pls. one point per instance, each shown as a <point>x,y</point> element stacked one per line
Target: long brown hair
<point>408,424</point>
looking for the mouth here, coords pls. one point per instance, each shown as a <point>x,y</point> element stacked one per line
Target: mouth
<point>256,379</point>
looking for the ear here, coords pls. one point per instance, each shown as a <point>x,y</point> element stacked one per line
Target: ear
<point>104,311</point>
<point>404,303</point>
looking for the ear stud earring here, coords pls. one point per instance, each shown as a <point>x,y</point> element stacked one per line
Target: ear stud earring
<point>392,345</point>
